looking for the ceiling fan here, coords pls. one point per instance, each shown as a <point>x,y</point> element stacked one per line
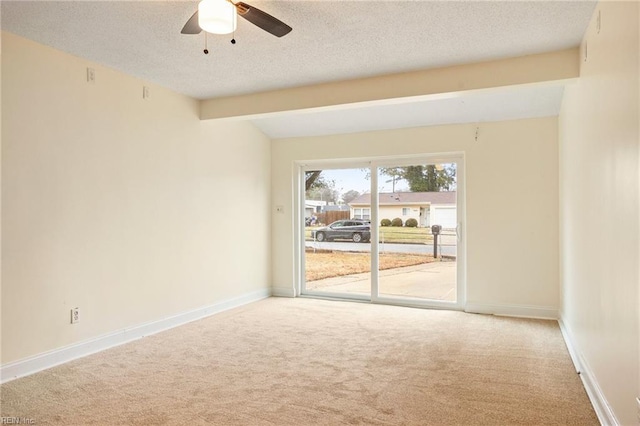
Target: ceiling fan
<point>220,17</point>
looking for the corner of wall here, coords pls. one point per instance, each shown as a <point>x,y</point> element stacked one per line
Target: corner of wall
<point>283,291</point>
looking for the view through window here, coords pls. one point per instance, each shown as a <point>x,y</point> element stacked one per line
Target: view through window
<point>337,234</point>
<point>418,221</point>
<point>417,225</point>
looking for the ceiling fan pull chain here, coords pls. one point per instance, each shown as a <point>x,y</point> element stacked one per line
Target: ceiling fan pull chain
<point>206,51</point>
<point>233,37</point>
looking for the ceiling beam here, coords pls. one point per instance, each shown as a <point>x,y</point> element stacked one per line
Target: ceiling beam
<point>533,69</point>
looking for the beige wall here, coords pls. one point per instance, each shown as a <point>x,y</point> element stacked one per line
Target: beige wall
<point>599,206</point>
<point>0,203</point>
<point>512,253</point>
<point>127,208</point>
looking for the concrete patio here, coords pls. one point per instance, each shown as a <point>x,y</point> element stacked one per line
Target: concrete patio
<point>433,281</point>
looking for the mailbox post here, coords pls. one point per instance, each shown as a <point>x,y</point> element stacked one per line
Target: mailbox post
<point>435,230</point>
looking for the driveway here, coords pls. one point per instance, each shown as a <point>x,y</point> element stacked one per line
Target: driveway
<point>433,281</point>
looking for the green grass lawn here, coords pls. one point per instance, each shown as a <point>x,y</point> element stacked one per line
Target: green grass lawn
<point>396,234</point>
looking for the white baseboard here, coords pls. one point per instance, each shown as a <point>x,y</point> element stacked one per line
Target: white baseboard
<point>33,364</point>
<point>596,396</point>
<point>283,292</point>
<point>524,311</point>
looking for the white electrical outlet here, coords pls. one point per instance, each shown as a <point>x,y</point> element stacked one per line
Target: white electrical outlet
<point>145,92</point>
<point>75,315</point>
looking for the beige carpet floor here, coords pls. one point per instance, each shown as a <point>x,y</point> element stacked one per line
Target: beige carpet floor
<point>314,362</point>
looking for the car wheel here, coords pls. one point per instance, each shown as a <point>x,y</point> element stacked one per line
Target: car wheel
<point>320,236</point>
<point>357,238</point>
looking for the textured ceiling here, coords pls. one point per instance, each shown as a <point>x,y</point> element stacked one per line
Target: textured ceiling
<point>331,40</point>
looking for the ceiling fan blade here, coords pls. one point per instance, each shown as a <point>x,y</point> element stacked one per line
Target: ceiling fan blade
<point>263,20</point>
<point>192,27</point>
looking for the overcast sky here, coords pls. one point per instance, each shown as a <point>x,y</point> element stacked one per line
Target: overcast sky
<point>347,179</point>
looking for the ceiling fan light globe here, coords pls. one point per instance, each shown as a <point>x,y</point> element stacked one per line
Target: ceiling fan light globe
<point>217,16</point>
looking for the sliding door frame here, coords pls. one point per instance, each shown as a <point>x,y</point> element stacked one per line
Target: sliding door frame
<point>412,160</point>
<point>373,164</point>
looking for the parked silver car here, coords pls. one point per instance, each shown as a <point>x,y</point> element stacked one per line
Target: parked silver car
<point>356,230</point>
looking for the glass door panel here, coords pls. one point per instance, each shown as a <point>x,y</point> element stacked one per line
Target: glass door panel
<point>417,218</point>
<point>337,212</point>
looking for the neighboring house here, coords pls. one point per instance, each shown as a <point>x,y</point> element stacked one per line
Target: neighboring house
<point>312,207</point>
<point>428,208</point>
<point>335,208</point>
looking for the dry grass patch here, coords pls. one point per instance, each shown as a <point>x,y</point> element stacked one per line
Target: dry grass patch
<point>323,264</point>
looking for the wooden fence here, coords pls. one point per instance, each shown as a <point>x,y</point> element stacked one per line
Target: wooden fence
<point>330,217</point>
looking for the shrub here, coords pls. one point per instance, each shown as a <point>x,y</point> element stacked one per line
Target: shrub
<point>385,222</point>
<point>411,223</point>
<point>396,222</point>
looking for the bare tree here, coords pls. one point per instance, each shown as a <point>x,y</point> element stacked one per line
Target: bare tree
<point>350,195</point>
<point>311,178</point>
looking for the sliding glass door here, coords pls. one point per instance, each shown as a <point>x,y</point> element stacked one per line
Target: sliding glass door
<point>387,231</point>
